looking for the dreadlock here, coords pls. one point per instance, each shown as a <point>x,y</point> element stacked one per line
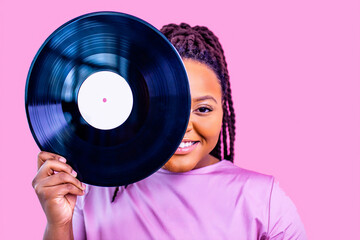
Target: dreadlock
<point>200,44</point>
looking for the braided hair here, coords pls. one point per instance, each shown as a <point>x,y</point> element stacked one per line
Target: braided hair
<point>200,44</point>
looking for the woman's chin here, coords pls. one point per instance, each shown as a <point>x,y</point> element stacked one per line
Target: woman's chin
<point>179,164</point>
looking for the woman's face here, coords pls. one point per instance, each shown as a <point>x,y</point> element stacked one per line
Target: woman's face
<point>205,121</point>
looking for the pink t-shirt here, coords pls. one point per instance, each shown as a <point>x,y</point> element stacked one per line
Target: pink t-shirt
<point>220,201</point>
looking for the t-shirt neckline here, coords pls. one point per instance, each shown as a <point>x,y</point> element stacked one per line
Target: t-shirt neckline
<point>202,170</point>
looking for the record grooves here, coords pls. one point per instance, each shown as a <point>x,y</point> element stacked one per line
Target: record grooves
<point>109,93</point>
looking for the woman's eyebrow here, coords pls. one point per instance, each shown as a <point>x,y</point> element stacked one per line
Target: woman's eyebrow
<point>198,99</point>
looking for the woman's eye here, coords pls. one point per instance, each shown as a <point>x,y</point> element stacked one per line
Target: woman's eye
<point>204,109</point>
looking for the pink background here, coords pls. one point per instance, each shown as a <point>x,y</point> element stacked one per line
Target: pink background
<point>294,67</point>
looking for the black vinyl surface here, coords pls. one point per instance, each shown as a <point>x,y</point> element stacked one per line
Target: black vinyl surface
<point>132,48</point>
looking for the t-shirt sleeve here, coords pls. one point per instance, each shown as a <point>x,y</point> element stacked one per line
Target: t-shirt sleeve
<point>78,219</point>
<point>284,220</point>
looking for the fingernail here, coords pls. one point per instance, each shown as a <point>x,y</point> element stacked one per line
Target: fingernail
<point>61,159</point>
<point>83,185</point>
<point>73,173</point>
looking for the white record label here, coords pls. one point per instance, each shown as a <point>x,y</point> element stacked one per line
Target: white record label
<point>105,100</point>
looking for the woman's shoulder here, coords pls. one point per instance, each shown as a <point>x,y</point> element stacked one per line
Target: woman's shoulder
<point>229,169</point>
<point>263,190</point>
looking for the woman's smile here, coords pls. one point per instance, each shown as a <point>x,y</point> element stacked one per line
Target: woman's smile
<point>186,146</point>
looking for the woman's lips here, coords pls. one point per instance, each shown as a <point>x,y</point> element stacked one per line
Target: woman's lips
<point>186,147</point>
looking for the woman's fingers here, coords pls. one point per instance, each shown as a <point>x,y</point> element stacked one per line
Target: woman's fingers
<point>57,185</point>
<point>68,188</point>
<point>62,178</point>
<point>51,192</point>
<point>44,156</point>
<point>49,168</point>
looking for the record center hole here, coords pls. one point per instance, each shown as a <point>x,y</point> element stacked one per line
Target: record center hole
<point>104,100</point>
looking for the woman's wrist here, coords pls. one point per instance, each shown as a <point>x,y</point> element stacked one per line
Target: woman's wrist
<point>59,232</point>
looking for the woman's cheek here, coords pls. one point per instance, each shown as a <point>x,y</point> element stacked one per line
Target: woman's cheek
<point>211,128</point>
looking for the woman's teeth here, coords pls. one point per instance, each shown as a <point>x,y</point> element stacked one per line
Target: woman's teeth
<point>185,144</point>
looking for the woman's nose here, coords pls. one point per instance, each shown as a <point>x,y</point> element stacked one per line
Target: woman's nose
<point>190,125</point>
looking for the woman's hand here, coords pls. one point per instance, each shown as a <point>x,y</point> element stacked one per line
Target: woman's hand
<point>57,189</point>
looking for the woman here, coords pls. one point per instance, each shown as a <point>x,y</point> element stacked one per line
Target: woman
<point>198,194</point>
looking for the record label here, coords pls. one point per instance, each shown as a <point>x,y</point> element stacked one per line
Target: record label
<point>105,100</point>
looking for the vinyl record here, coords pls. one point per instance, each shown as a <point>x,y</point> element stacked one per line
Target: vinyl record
<point>109,93</point>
